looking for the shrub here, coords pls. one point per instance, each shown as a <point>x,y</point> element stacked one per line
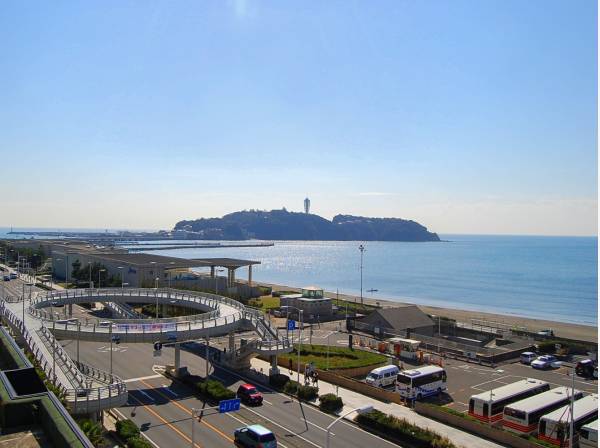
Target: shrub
<point>92,430</point>
<point>215,390</point>
<point>278,381</point>
<point>127,429</point>
<point>303,392</point>
<point>402,431</point>
<point>330,403</point>
<point>138,442</point>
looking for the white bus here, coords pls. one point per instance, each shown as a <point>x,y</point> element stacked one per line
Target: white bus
<point>554,427</point>
<point>420,383</point>
<point>488,406</point>
<point>588,435</point>
<point>523,416</point>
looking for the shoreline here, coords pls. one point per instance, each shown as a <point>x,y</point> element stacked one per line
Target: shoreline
<point>561,329</point>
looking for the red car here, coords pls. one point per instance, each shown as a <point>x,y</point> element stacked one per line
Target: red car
<point>249,395</point>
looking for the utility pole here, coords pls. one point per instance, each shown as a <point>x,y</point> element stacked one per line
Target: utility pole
<point>362,250</point>
<point>571,406</point>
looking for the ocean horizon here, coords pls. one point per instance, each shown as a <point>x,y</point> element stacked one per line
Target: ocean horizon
<point>540,277</point>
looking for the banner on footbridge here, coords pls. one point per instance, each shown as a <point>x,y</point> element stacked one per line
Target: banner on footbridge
<point>146,328</point>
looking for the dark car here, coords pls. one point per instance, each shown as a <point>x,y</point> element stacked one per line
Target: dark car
<point>585,368</point>
<point>249,395</point>
<point>254,436</point>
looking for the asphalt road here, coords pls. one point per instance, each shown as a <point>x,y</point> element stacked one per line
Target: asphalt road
<point>162,409</point>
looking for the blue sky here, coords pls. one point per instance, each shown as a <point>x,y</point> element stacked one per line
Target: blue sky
<point>467,116</point>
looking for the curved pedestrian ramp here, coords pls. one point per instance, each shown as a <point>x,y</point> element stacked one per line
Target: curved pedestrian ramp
<point>89,389</point>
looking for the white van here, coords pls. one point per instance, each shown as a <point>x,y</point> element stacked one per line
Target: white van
<point>527,357</point>
<point>383,376</point>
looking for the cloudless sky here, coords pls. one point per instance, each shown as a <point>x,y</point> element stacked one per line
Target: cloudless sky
<point>467,116</point>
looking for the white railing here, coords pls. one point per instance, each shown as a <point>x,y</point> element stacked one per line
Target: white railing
<point>79,399</point>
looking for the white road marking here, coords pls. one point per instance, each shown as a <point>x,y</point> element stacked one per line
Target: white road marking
<point>321,428</point>
<point>246,424</point>
<point>343,421</point>
<point>165,387</point>
<point>141,432</point>
<point>132,380</point>
<point>282,427</point>
<point>144,394</point>
<point>268,402</point>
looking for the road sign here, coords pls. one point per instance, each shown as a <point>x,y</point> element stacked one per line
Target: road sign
<point>229,405</point>
<point>291,324</point>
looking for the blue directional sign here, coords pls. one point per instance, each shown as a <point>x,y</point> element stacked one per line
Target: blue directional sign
<point>229,405</point>
<point>291,324</point>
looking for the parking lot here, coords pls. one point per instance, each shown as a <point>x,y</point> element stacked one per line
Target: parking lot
<point>466,379</point>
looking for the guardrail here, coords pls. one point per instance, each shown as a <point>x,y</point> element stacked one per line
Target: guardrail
<point>79,399</point>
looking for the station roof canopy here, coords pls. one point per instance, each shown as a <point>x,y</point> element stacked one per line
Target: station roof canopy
<point>139,259</point>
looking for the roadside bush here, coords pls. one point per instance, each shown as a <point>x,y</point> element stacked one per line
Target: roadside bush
<point>278,381</point>
<point>127,429</point>
<point>138,442</point>
<point>215,390</point>
<point>92,430</point>
<point>330,403</point>
<point>402,431</point>
<point>547,347</point>
<point>306,393</point>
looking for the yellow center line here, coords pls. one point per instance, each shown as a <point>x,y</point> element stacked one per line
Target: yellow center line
<point>153,412</point>
<point>189,411</point>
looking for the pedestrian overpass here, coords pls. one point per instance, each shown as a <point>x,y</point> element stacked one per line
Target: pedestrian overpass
<point>88,389</point>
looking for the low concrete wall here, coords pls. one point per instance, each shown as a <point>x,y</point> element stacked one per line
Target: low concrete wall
<point>489,432</point>
<point>360,387</point>
<point>342,378</point>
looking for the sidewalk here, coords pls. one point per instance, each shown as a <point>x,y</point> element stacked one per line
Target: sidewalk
<point>353,400</point>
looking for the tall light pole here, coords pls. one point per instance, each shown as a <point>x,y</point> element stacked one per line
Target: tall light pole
<point>99,271</point>
<point>90,274</point>
<point>301,315</point>
<point>120,268</point>
<point>195,414</point>
<point>216,280</point>
<point>362,250</point>
<point>361,410</point>
<point>156,294</point>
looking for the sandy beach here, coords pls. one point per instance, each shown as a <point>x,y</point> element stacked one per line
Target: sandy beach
<point>561,329</point>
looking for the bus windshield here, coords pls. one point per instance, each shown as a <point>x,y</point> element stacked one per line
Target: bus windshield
<point>403,379</point>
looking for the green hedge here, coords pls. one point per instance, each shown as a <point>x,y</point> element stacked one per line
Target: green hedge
<point>401,431</point>
<point>330,403</point>
<point>215,390</point>
<point>278,381</point>
<point>127,429</point>
<point>306,393</point>
<point>339,357</point>
<point>138,442</point>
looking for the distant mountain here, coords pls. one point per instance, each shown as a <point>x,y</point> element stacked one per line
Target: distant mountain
<point>284,225</point>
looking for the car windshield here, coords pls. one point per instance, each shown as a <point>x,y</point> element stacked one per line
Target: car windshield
<point>267,437</point>
<point>251,390</point>
<point>372,376</point>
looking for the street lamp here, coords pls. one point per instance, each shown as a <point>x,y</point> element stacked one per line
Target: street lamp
<point>301,314</point>
<point>120,268</point>
<point>156,294</point>
<point>216,280</point>
<point>362,250</point>
<point>195,415</point>
<point>99,271</point>
<point>361,410</point>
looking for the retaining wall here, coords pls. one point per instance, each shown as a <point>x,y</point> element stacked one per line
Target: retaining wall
<point>497,435</point>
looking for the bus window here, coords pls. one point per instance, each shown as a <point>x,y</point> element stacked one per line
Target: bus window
<point>471,405</point>
<point>485,409</point>
<point>403,379</point>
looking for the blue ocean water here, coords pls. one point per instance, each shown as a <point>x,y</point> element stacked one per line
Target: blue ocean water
<point>553,278</point>
<point>540,277</point>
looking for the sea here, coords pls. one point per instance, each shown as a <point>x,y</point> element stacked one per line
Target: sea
<point>541,277</point>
